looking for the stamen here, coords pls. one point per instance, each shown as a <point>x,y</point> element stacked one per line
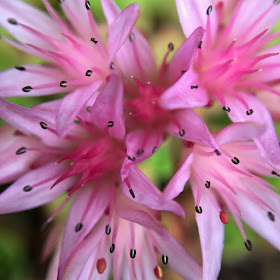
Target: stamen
<point>63,84</point>
<point>110,123</point>
<point>43,125</point>
<point>164,259</point>
<point>207,184</point>
<point>200,45</point>
<point>88,73</point>
<point>171,46</point>
<point>198,209</point>
<point>27,188</point>
<point>249,112</point>
<point>94,40</point>
<point>224,217</point>
<point>20,151</point>
<point>20,68</point>
<point>132,193</point>
<point>271,216</point>
<point>158,272</point>
<point>131,158</point>
<point>78,227</point>
<point>275,173</point>
<point>131,37</point>
<point>248,245</point>
<point>154,149</point>
<point>132,253</point>
<point>12,21</point>
<point>226,108</point>
<point>88,108</point>
<point>140,152</point>
<point>235,160</point>
<point>183,71</point>
<point>276,2</point>
<point>112,65</point>
<point>101,265</point>
<point>217,152</point>
<point>182,132</point>
<point>27,89</point>
<point>194,87</point>
<point>112,248</point>
<point>108,229</point>
<point>209,10</point>
<point>87,4</point>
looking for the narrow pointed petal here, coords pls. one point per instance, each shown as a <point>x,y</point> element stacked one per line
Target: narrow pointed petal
<point>120,29</point>
<point>178,181</point>
<point>108,108</point>
<point>267,142</point>
<point>195,130</point>
<point>185,93</point>
<point>184,56</point>
<point>72,104</point>
<point>110,9</point>
<point>15,199</point>
<point>28,77</point>
<point>192,14</point>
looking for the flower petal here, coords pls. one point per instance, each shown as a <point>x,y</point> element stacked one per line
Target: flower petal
<point>108,108</point>
<point>185,93</point>
<point>184,56</point>
<point>192,14</point>
<point>120,29</point>
<point>15,199</point>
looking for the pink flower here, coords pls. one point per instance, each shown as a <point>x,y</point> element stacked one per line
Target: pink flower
<point>79,62</point>
<point>227,181</point>
<point>234,62</point>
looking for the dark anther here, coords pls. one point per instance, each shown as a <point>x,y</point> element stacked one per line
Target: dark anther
<point>43,125</point>
<point>217,152</point>
<point>44,225</point>
<point>249,112</point>
<point>88,73</point>
<point>27,188</point>
<point>110,123</point>
<point>131,158</point>
<point>20,68</point>
<point>182,132</point>
<point>131,37</point>
<point>271,216</point>
<point>226,108</point>
<point>12,21</point>
<point>88,108</point>
<point>198,209</point>
<point>171,46</point>
<point>194,87</point>
<point>235,160</point>
<point>78,227</point>
<point>87,4</point>
<point>107,229</point>
<point>207,184</point>
<point>132,193</point>
<point>132,253</point>
<point>164,259</point>
<point>112,248</point>
<point>60,1</point>
<point>275,173</point>
<point>140,152</point>
<point>200,45</point>
<point>63,84</point>
<point>27,89</point>
<point>183,71</point>
<point>94,40</point>
<point>276,2</point>
<point>112,65</point>
<point>209,10</point>
<point>20,151</point>
<point>154,149</point>
<point>248,245</point>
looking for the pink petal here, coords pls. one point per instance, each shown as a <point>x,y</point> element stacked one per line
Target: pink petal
<point>27,78</point>
<point>184,56</point>
<point>178,181</point>
<point>238,132</point>
<point>211,234</point>
<point>147,194</point>
<point>120,29</point>
<point>111,10</point>
<point>192,14</point>
<point>195,130</point>
<point>87,208</point>
<point>72,104</point>
<point>30,16</point>
<point>108,107</point>
<point>185,93</point>
<point>15,199</point>
<point>140,146</point>
<point>267,142</point>
<point>178,259</point>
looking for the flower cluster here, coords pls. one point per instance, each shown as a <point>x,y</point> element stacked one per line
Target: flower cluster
<point>117,111</point>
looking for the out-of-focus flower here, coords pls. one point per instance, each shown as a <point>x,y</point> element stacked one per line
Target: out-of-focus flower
<point>234,62</point>
<point>79,62</point>
<point>227,181</point>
